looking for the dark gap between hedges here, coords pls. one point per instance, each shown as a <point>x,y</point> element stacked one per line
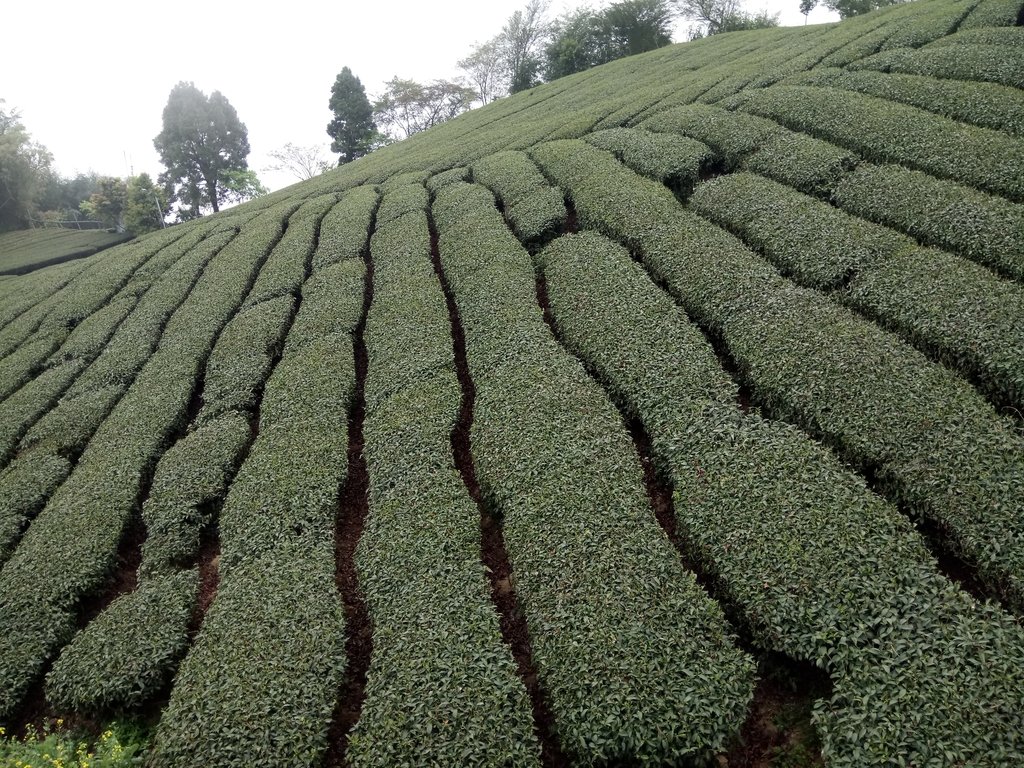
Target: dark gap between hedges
<point>512,622</point>
<point>353,507</point>
<point>798,683</point>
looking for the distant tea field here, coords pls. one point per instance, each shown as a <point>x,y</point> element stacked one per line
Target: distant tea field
<point>588,428</point>
<point>28,250</point>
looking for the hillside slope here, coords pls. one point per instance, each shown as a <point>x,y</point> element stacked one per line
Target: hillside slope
<point>526,440</point>
<point>28,250</point>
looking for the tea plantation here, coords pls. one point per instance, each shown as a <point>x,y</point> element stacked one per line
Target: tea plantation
<point>527,440</point>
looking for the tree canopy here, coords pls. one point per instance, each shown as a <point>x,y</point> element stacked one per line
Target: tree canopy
<point>24,167</point>
<point>411,107</point>
<point>352,129</point>
<point>848,8</point>
<point>584,38</point>
<point>486,69</point>
<point>202,140</point>
<point>521,39</point>
<point>711,17</point>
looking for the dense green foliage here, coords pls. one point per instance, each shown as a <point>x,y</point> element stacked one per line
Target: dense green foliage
<point>774,276</point>
<point>585,38</point>
<point>436,635</point>
<point>552,457</point>
<point>24,166</point>
<point>201,142</point>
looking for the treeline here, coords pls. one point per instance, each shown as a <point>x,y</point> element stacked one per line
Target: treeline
<point>32,192</point>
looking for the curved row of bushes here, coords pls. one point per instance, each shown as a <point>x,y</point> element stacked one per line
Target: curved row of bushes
<point>85,518</point>
<point>931,442</point>
<point>636,661</point>
<point>814,564</point>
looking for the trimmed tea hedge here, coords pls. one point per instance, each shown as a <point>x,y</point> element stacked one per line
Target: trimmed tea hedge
<point>617,627</point>
<point>887,132</point>
<point>287,266</point>
<point>984,228</point>
<point>190,482</point>
<point>675,161</point>
<point>992,13</point>
<point>129,653</point>
<point>760,145</point>
<point>242,358</point>
<point>343,231</point>
<point>20,295</point>
<point>534,209</point>
<point>930,441</point>
<point>442,686</point>
<point>1000,64</point>
<point>264,671</point>
<point>85,519</point>
<point>272,644</point>
<point>64,430</point>
<point>951,309</point>
<point>89,311</point>
<point>816,566</point>
<point>983,104</point>
<point>54,317</point>
<point>806,239</point>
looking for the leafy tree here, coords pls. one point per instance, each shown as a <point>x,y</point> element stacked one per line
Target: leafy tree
<point>62,195</point>
<point>485,68</point>
<point>848,8</point>
<point>637,26</point>
<point>583,38</point>
<point>241,184</point>
<point>411,107</point>
<point>521,39</point>
<point>201,142</point>
<point>144,205</point>
<point>577,43</point>
<point>806,6</point>
<point>352,130</point>
<point>302,162</point>
<point>714,16</point>
<point>24,168</point>
<point>106,204</point>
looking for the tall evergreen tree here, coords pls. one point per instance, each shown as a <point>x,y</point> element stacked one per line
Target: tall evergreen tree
<point>352,128</point>
<point>202,140</point>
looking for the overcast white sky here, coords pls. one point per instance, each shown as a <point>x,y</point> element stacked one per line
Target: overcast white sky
<point>91,79</point>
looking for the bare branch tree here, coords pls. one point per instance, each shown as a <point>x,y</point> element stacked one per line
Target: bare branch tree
<point>485,68</point>
<point>412,107</point>
<point>302,162</point>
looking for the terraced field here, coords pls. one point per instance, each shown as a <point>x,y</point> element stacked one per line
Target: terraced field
<point>531,439</point>
<point>28,250</point>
